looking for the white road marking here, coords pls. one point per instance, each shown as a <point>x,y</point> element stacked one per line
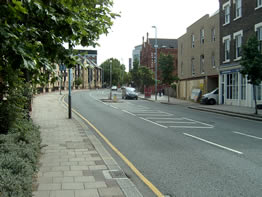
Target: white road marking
<point>199,122</point>
<point>153,122</point>
<point>214,144</point>
<point>155,118</point>
<point>128,112</point>
<point>192,127</point>
<point>174,122</point>
<point>160,115</point>
<point>252,136</point>
<point>114,107</point>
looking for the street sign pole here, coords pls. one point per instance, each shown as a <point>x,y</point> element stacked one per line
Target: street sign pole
<point>69,96</point>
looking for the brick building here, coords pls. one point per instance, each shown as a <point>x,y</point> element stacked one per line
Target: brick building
<point>198,57</point>
<point>239,19</point>
<point>165,46</point>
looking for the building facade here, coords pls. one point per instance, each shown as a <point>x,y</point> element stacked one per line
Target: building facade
<point>165,46</point>
<point>136,53</point>
<point>198,57</point>
<point>239,20</point>
<point>86,75</point>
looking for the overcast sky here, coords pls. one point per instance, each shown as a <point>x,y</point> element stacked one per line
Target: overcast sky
<point>171,17</point>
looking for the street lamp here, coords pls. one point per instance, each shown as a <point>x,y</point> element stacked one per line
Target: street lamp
<point>110,62</point>
<point>155,61</point>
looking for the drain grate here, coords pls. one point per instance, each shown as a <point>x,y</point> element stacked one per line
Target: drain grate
<point>117,174</point>
<point>114,174</point>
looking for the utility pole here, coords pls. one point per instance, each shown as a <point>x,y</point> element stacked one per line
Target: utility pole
<point>111,62</point>
<point>69,89</point>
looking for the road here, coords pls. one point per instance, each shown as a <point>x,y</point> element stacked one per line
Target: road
<point>182,152</point>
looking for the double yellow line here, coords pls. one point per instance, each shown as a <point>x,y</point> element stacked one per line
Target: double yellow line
<point>131,166</point>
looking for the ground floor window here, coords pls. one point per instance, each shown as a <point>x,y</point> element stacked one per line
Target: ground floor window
<point>243,87</point>
<point>258,92</point>
<point>232,86</point>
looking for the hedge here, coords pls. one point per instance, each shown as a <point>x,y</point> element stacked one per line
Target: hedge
<point>19,150</point>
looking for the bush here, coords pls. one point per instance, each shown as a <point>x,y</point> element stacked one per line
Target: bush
<point>18,159</point>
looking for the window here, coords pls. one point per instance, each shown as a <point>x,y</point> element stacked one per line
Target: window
<point>213,35</point>
<point>182,72</point>
<point>238,45</point>
<point>232,86</point>
<point>213,61</point>
<point>227,49</point>
<point>193,40</point>
<point>202,36</point>
<point>259,37</point>
<point>259,92</point>
<point>202,61</point>
<point>238,8</point>
<point>243,87</point>
<point>192,66</point>
<point>227,14</point>
<point>259,3</point>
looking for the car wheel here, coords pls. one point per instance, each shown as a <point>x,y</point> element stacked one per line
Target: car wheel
<point>212,102</point>
<point>136,98</point>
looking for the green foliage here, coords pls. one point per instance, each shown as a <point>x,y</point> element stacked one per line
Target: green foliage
<point>32,34</point>
<point>19,150</point>
<point>78,81</point>
<point>252,61</point>
<point>252,64</point>
<point>118,71</point>
<point>166,64</point>
<point>135,74</point>
<point>147,76</point>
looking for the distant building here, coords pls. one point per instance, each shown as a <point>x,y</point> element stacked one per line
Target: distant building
<point>198,57</point>
<point>136,53</point>
<point>130,66</point>
<point>239,20</point>
<point>165,46</point>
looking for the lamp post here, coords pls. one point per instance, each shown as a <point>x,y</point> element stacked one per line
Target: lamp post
<point>155,61</point>
<point>111,62</point>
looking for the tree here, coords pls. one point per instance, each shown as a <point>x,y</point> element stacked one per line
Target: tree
<point>147,76</point>
<point>135,75</point>
<point>252,64</point>
<point>32,34</point>
<point>166,65</point>
<point>118,71</point>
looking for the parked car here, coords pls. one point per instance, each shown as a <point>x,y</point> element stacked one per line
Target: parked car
<point>210,98</point>
<point>114,88</point>
<point>129,93</point>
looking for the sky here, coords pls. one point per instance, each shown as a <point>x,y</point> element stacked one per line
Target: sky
<point>171,17</point>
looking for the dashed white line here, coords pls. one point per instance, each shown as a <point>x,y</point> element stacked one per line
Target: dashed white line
<point>214,144</point>
<point>252,136</point>
<point>155,118</point>
<point>114,107</point>
<point>128,112</point>
<point>191,127</point>
<point>153,122</point>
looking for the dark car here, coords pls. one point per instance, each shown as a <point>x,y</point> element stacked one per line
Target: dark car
<point>129,93</point>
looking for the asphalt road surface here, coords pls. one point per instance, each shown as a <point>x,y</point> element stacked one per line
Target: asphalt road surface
<point>182,152</point>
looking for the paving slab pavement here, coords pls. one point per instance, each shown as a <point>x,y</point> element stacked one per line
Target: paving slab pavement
<point>73,161</point>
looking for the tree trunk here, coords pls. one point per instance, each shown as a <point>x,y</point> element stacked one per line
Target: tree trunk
<point>254,92</point>
<point>168,93</point>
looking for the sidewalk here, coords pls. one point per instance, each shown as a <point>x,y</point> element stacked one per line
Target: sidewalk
<point>237,111</point>
<point>73,162</point>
